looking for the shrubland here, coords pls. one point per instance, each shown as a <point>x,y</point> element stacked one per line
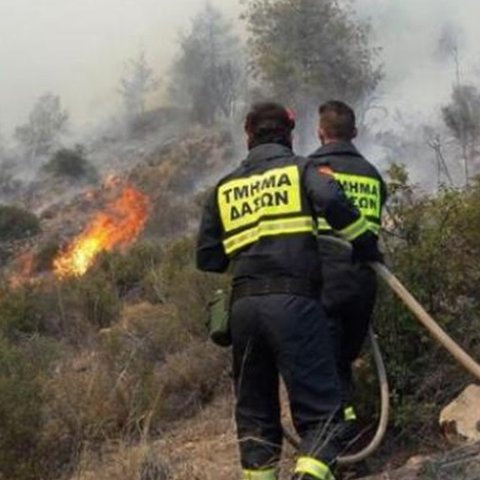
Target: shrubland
<point>100,366</point>
<point>116,355</point>
<point>120,355</point>
<point>432,243</point>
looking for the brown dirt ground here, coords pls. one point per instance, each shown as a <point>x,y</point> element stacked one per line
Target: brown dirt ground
<point>201,448</point>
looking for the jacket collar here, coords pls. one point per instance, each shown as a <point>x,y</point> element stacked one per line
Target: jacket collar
<point>268,151</point>
<point>337,148</point>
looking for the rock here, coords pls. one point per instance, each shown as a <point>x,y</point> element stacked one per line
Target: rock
<point>460,421</point>
<point>411,471</point>
<point>459,464</point>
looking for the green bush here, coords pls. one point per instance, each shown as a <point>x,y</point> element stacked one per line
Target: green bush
<point>156,392</point>
<point>17,223</point>
<point>128,270</point>
<point>72,164</point>
<point>146,334</point>
<point>123,341</point>
<point>177,281</point>
<point>21,407</point>
<point>94,297</point>
<point>432,247</point>
<point>23,311</point>
<point>10,187</point>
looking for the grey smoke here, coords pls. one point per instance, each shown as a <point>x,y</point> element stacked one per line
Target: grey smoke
<point>410,32</point>
<point>78,50</point>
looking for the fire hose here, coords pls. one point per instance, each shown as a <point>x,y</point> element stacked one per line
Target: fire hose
<point>462,357</point>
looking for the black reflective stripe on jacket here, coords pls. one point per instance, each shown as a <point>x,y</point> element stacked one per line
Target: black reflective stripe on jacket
<point>261,218</point>
<point>360,180</point>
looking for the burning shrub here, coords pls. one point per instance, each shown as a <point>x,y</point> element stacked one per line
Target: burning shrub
<point>17,223</point>
<point>117,227</point>
<point>71,164</point>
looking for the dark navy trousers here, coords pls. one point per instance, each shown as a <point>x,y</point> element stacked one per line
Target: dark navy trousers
<point>284,335</point>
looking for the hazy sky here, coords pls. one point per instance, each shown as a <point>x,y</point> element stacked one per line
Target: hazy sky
<point>77,48</point>
<point>409,31</point>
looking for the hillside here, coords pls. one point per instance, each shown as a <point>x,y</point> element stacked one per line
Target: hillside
<point>118,354</point>
<point>117,120</point>
<point>111,369</point>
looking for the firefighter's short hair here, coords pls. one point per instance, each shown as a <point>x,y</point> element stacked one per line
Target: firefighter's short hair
<point>269,122</point>
<point>337,119</point>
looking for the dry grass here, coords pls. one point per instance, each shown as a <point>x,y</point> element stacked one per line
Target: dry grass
<point>95,397</point>
<point>122,462</point>
<point>201,448</point>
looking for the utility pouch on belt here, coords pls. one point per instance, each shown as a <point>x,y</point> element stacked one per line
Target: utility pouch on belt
<point>218,323</point>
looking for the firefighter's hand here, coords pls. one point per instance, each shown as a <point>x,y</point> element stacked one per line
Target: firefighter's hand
<point>365,249</point>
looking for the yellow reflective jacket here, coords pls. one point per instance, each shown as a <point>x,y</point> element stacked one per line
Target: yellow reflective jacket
<point>360,180</point>
<point>261,218</point>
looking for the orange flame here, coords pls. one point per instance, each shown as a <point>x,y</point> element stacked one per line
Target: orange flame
<point>116,227</point>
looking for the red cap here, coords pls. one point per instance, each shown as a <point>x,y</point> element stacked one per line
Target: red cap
<point>292,115</point>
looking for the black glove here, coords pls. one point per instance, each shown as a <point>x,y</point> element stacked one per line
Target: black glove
<point>365,249</point>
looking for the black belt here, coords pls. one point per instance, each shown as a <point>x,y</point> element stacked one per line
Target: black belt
<point>272,286</point>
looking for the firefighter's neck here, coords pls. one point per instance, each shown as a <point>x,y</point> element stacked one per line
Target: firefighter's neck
<point>327,139</point>
<point>330,141</point>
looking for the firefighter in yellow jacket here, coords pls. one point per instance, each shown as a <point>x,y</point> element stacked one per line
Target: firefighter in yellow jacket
<point>259,223</point>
